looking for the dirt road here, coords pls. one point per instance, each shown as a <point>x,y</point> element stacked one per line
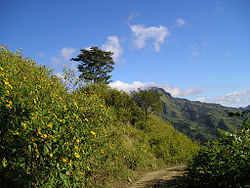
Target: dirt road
<point>170,177</point>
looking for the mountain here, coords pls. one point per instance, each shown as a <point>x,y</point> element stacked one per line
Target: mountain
<point>247,108</point>
<point>197,120</point>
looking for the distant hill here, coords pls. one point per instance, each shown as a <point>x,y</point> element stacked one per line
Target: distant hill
<point>247,108</point>
<point>197,120</point>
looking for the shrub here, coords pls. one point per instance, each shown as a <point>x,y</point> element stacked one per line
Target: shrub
<point>123,106</point>
<point>224,162</point>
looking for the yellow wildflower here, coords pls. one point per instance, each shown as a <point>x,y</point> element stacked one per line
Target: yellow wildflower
<point>76,116</point>
<point>76,148</point>
<point>49,125</point>
<point>16,133</point>
<point>64,160</point>
<point>86,119</point>
<point>88,168</point>
<point>81,173</point>
<point>70,162</point>
<point>4,162</point>
<point>27,172</point>
<point>93,133</point>
<point>34,101</point>
<point>50,136</point>
<point>36,151</point>
<point>76,155</point>
<point>101,151</point>
<point>55,115</point>
<point>51,155</point>
<point>9,106</point>
<point>76,105</point>
<point>77,140</point>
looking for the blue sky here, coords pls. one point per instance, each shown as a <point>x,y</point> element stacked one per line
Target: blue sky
<point>199,50</point>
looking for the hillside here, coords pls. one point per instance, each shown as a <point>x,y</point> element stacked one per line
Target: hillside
<point>197,120</point>
<point>53,135</point>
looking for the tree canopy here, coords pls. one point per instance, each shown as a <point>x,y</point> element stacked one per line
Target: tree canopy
<point>148,100</point>
<point>95,64</point>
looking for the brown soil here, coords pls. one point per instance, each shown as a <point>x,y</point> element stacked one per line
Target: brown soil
<point>170,177</point>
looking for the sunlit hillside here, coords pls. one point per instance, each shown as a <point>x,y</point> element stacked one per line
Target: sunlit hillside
<point>86,137</point>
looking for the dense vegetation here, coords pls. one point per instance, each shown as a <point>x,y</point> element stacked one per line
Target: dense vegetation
<point>53,134</point>
<point>223,162</point>
<point>200,121</point>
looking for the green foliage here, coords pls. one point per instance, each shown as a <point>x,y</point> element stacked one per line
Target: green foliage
<point>168,144</point>
<point>148,100</point>
<point>224,162</point>
<point>95,64</point>
<point>124,107</point>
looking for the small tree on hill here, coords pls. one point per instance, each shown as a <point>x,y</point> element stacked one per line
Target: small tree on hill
<point>95,64</point>
<point>148,100</point>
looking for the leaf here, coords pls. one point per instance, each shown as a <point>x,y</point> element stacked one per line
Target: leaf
<point>224,133</point>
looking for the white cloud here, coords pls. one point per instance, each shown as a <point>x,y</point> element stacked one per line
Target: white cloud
<point>180,22</point>
<point>67,53</point>
<point>143,34</point>
<point>55,60</point>
<point>173,90</point>
<point>114,46</point>
<point>236,99</point>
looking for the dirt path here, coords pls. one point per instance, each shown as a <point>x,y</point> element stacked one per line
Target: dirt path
<point>170,177</point>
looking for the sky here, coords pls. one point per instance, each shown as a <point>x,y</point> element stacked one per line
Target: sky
<point>198,50</point>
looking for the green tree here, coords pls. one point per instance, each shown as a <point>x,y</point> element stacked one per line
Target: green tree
<point>148,100</point>
<point>95,64</point>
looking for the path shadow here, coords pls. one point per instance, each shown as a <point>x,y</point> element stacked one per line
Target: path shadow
<point>174,182</point>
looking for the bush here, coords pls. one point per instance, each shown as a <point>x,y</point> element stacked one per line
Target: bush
<point>49,137</point>
<point>224,162</point>
<point>123,106</point>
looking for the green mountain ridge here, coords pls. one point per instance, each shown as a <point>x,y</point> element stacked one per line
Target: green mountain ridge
<point>200,121</point>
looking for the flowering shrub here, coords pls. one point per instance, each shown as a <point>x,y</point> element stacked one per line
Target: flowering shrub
<point>48,135</point>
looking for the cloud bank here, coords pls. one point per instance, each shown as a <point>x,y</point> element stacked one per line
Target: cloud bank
<point>144,34</point>
<point>173,90</point>
<point>236,99</point>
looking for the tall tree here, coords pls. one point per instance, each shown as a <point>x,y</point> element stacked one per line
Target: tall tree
<point>148,100</point>
<point>95,64</point>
